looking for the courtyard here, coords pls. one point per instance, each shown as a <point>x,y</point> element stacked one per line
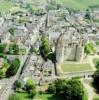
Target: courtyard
<point>75,67</point>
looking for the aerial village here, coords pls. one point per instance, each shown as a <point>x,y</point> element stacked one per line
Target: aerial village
<point>48,47</point>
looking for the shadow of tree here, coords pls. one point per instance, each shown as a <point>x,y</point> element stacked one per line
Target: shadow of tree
<point>54,97</point>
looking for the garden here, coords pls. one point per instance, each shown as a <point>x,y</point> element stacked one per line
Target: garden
<point>8,68</point>
<point>57,90</point>
<point>11,49</point>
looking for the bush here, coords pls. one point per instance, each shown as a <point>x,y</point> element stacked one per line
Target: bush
<point>68,89</point>
<point>89,48</point>
<point>97,64</point>
<point>13,49</point>
<point>2,74</point>
<point>32,93</point>
<point>51,88</point>
<point>30,85</point>
<point>12,70</point>
<point>17,85</point>
<point>2,48</point>
<point>46,50</point>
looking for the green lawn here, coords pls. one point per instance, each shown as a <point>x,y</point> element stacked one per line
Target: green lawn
<point>79,4</point>
<point>5,6</point>
<point>20,96</point>
<point>74,67</point>
<point>46,97</point>
<point>25,96</point>
<point>75,4</point>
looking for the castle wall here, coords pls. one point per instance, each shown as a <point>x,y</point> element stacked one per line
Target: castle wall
<point>80,53</point>
<point>60,54</point>
<point>69,53</point>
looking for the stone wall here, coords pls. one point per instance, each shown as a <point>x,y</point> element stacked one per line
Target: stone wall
<point>69,53</point>
<point>80,53</point>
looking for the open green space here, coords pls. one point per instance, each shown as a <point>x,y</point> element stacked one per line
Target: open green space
<point>75,67</point>
<point>79,4</point>
<point>25,96</point>
<point>47,97</point>
<point>5,5</point>
<point>20,96</point>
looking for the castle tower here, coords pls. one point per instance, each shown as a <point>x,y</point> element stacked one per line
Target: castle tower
<point>59,49</point>
<point>80,53</point>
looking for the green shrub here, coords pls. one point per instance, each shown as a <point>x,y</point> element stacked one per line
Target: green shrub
<point>13,49</point>
<point>68,89</point>
<point>2,48</point>
<point>17,85</point>
<point>30,85</point>
<point>2,74</point>
<point>12,70</point>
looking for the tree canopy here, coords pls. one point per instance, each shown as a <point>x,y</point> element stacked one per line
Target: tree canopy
<point>68,89</point>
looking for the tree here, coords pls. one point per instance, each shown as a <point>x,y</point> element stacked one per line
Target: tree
<point>2,48</point>
<point>89,48</point>
<point>30,85</point>
<point>97,64</point>
<point>51,88</point>
<point>2,74</point>
<point>32,93</point>
<point>45,48</point>
<point>88,15</point>
<point>13,49</point>
<point>69,89</point>
<point>12,70</point>
<point>30,88</point>
<point>73,89</point>
<point>17,85</point>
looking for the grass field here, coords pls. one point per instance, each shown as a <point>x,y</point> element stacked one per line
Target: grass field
<point>24,96</point>
<point>46,97</point>
<point>73,67</point>
<point>5,6</point>
<point>79,4</point>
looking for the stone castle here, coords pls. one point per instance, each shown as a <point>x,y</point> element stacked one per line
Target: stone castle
<point>69,49</point>
<point>67,41</point>
<point>69,46</point>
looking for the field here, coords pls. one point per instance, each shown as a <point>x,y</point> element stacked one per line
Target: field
<point>25,96</point>
<point>79,4</point>
<point>75,67</point>
<point>5,6</point>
